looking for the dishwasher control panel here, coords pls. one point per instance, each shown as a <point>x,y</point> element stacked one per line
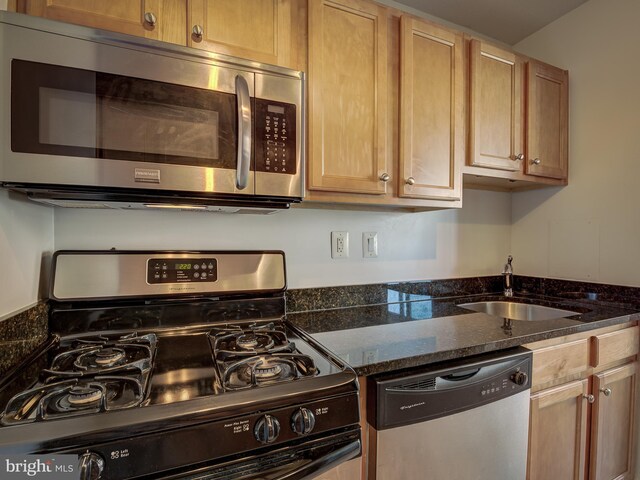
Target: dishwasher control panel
<point>436,391</point>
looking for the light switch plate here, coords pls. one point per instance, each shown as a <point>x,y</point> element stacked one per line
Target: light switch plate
<point>369,244</point>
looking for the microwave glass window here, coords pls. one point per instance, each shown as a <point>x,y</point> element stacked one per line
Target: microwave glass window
<point>63,118</point>
<point>157,129</point>
<point>90,114</point>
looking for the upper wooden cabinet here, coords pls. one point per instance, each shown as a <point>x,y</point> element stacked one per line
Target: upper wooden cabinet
<point>547,121</point>
<point>386,107</point>
<point>496,108</point>
<point>257,29</point>
<point>431,111</point>
<point>347,96</point>
<point>265,31</point>
<point>518,123</point>
<point>124,16</point>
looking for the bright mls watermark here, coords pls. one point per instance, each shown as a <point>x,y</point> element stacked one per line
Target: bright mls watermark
<point>49,467</point>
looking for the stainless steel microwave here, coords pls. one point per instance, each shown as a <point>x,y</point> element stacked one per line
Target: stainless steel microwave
<point>94,118</point>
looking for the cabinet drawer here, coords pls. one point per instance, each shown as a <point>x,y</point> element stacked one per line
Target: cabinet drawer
<point>557,362</point>
<point>610,347</point>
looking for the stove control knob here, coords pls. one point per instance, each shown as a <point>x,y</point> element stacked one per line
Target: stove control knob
<point>267,429</point>
<point>520,378</point>
<point>91,466</point>
<point>303,421</point>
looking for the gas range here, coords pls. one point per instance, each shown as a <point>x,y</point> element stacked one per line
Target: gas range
<point>142,382</point>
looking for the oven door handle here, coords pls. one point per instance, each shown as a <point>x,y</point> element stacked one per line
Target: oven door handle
<point>325,462</point>
<point>244,132</point>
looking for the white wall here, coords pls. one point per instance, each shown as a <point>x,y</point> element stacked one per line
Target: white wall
<point>26,234</point>
<point>441,244</point>
<point>590,230</point>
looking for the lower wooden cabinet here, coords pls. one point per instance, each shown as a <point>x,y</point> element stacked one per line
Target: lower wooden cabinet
<point>558,432</point>
<point>577,432</point>
<point>612,424</point>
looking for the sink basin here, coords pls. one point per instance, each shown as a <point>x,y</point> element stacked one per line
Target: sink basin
<point>518,311</point>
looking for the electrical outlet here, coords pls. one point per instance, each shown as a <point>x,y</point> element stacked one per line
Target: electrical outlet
<point>369,244</point>
<point>339,244</point>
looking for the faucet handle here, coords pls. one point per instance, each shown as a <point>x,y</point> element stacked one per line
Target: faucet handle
<point>508,268</point>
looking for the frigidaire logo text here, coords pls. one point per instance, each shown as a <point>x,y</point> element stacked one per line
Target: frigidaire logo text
<point>405,407</point>
<point>36,466</point>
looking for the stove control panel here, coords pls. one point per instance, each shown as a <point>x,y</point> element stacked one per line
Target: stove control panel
<point>181,270</point>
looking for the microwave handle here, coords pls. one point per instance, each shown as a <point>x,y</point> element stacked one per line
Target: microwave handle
<point>244,132</point>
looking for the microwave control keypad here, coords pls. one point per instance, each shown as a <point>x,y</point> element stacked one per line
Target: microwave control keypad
<point>275,137</point>
<point>181,270</point>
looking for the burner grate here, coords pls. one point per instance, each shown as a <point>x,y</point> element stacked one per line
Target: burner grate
<point>254,355</point>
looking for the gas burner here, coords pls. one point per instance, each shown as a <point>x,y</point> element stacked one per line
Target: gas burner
<point>266,369</point>
<point>270,372</point>
<point>81,396</point>
<point>73,397</point>
<point>233,342</point>
<point>100,355</point>
<point>253,341</point>
<point>102,358</point>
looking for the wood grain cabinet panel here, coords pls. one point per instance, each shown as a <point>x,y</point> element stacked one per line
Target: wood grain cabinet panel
<point>347,96</point>
<point>260,30</point>
<point>431,111</point>
<point>547,121</point>
<point>123,16</point>
<point>496,108</point>
<point>559,363</point>
<point>557,432</point>
<point>612,424</point>
<point>613,346</point>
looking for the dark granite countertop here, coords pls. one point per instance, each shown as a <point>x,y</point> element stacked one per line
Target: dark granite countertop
<point>385,337</point>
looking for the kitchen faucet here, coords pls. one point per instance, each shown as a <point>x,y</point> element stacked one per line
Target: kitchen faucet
<point>508,277</point>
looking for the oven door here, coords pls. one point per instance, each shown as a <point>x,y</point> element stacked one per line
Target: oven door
<point>306,461</point>
<point>93,114</point>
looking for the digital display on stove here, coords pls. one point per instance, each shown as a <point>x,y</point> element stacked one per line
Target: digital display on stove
<point>176,270</point>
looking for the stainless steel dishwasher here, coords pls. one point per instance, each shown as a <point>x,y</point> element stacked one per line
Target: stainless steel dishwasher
<point>462,420</point>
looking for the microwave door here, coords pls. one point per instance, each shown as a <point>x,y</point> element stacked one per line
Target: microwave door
<point>122,118</point>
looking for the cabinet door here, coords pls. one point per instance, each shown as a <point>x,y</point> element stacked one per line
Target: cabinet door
<point>547,121</point>
<point>557,432</point>
<point>612,424</point>
<point>255,29</point>
<point>496,108</point>
<point>124,16</point>
<point>431,111</point>
<point>347,96</point>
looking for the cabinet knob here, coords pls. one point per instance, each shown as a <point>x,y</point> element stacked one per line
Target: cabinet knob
<point>519,157</point>
<point>536,161</point>
<point>590,398</point>
<point>606,391</point>
<point>150,19</point>
<point>385,177</point>
<point>410,181</point>
<point>197,32</point>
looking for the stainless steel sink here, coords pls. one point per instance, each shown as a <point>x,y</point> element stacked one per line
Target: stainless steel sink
<point>518,311</point>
